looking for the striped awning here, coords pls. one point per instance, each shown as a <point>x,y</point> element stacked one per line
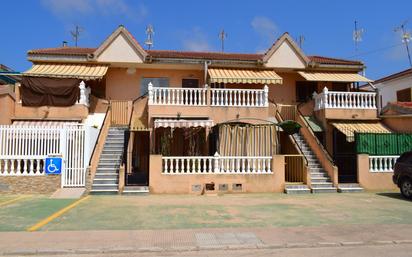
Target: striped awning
<point>78,71</point>
<point>34,123</point>
<point>173,123</point>
<point>218,75</point>
<point>349,129</point>
<point>333,77</point>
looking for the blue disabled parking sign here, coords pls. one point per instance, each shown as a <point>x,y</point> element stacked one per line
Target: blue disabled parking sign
<point>53,165</point>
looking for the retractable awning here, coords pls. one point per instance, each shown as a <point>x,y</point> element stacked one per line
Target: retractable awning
<point>173,123</point>
<point>349,129</point>
<point>78,71</point>
<point>250,76</point>
<point>333,76</point>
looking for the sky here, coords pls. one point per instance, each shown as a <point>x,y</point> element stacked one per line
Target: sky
<point>251,26</point>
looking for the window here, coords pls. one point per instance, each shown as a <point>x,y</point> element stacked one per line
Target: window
<point>404,95</point>
<point>190,83</point>
<point>157,82</point>
<point>304,90</point>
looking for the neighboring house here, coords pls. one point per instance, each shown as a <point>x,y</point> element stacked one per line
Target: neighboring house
<point>396,87</point>
<point>182,122</point>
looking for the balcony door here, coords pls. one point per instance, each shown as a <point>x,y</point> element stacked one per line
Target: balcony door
<point>190,83</point>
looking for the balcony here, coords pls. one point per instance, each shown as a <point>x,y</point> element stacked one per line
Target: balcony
<point>177,96</point>
<point>346,105</point>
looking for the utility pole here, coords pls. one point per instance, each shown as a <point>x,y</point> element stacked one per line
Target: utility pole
<point>222,37</point>
<point>76,34</point>
<point>406,38</point>
<point>301,40</point>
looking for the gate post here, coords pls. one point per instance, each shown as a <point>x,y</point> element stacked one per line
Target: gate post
<point>63,152</point>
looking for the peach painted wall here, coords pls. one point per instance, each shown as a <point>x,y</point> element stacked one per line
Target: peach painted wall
<point>182,184</point>
<point>7,109</point>
<point>398,123</point>
<point>123,86</point>
<point>285,93</point>
<point>373,180</point>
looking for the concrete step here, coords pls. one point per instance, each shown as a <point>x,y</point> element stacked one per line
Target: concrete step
<point>321,184</point>
<point>105,187</point>
<point>320,179</point>
<point>297,189</point>
<point>113,176</point>
<point>109,164</point>
<point>104,192</point>
<point>324,190</point>
<point>349,188</point>
<point>318,175</point>
<point>135,190</point>
<point>107,170</point>
<point>105,181</point>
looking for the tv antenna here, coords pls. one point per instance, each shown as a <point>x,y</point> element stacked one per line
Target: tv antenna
<point>149,32</point>
<point>406,38</point>
<point>301,40</point>
<point>357,35</point>
<point>222,37</point>
<point>76,34</point>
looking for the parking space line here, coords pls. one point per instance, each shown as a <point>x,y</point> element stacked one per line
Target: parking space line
<point>55,215</point>
<point>13,200</point>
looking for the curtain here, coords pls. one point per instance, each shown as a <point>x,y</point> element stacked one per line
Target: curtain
<point>247,140</point>
<point>41,91</point>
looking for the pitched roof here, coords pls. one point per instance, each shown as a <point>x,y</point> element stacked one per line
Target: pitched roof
<point>329,60</point>
<point>64,50</point>
<point>398,108</point>
<point>204,55</point>
<point>394,76</point>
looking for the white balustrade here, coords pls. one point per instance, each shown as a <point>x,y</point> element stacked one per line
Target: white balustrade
<point>239,97</point>
<point>350,100</point>
<point>177,96</point>
<point>382,163</point>
<point>217,164</point>
<point>22,166</point>
<point>198,96</point>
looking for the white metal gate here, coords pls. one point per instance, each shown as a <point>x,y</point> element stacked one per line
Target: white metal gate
<point>24,148</point>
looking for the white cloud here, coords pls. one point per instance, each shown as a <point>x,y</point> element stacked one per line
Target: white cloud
<point>67,9</point>
<point>266,30</point>
<point>195,40</point>
<point>265,27</point>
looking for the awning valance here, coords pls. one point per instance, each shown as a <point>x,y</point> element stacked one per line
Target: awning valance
<point>333,77</point>
<point>78,71</point>
<point>349,129</point>
<point>173,123</point>
<point>218,75</point>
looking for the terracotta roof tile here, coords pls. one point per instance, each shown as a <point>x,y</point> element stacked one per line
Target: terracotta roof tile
<point>329,60</point>
<point>204,55</point>
<point>394,76</point>
<point>67,50</point>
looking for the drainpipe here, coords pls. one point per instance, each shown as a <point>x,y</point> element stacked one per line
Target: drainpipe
<point>207,63</point>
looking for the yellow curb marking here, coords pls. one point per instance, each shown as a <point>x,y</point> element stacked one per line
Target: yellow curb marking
<point>13,200</point>
<point>55,215</point>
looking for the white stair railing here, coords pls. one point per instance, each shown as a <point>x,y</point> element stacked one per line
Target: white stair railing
<point>382,163</point>
<point>217,164</point>
<point>350,100</point>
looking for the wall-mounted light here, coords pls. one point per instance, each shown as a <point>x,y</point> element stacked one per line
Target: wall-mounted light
<point>131,71</point>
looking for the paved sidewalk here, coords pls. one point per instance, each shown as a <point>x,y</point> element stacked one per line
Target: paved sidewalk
<point>94,242</point>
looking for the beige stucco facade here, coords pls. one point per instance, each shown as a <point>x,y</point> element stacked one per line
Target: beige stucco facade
<point>182,184</point>
<point>373,180</point>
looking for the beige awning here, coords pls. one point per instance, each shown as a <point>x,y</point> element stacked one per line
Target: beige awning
<point>79,71</point>
<point>218,75</point>
<point>174,123</point>
<point>349,129</point>
<point>333,76</point>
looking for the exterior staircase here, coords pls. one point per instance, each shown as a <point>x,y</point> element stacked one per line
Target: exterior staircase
<point>106,179</point>
<point>135,190</point>
<point>320,180</point>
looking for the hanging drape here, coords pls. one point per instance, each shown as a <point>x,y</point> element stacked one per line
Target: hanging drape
<point>247,140</point>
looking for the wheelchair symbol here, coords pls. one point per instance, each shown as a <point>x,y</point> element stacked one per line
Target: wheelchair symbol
<point>52,167</point>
